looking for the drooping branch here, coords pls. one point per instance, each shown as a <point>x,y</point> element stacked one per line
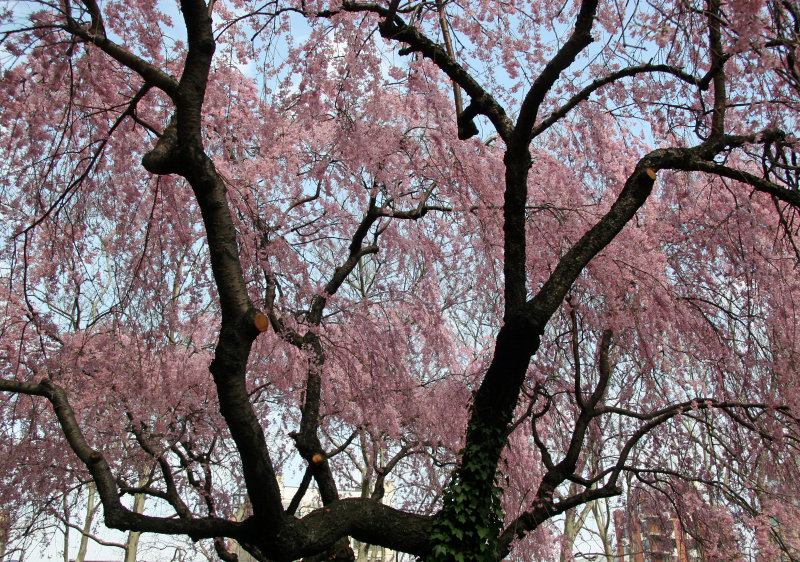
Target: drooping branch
<point>566,467</point>
<point>784,194</point>
<point>95,35</point>
<point>598,84</point>
<point>171,494</point>
<point>130,111</point>
<point>307,439</point>
<point>545,507</point>
<point>702,403</point>
<point>394,28</point>
<point>116,515</point>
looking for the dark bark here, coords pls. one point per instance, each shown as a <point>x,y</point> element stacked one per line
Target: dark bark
<point>580,38</point>
<point>271,531</point>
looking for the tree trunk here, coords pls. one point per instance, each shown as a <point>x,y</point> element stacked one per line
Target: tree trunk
<point>87,524</point>
<point>133,536</point>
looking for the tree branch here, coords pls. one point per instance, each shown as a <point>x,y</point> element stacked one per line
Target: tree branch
<point>579,39</point>
<point>117,516</point>
<point>584,94</point>
<point>717,56</point>
<point>171,494</point>
<point>394,28</point>
<point>96,36</point>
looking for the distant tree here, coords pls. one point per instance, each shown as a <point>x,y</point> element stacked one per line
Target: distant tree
<point>517,256</point>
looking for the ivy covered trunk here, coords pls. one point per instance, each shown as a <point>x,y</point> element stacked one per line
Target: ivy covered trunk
<point>469,525</point>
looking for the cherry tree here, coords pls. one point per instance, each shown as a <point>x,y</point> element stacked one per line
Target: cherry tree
<point>517,257</point>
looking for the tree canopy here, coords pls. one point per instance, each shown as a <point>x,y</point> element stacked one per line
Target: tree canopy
<point>516,257</point>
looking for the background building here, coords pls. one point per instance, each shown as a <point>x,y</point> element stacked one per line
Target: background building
<point>644,536</point>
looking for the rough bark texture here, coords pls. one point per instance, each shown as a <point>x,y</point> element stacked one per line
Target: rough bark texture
<point>272,532</point>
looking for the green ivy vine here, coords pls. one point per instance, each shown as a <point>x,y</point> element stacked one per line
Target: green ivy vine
<point>469,525</point>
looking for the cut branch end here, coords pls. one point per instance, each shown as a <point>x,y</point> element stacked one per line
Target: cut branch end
<point>261,322</point>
